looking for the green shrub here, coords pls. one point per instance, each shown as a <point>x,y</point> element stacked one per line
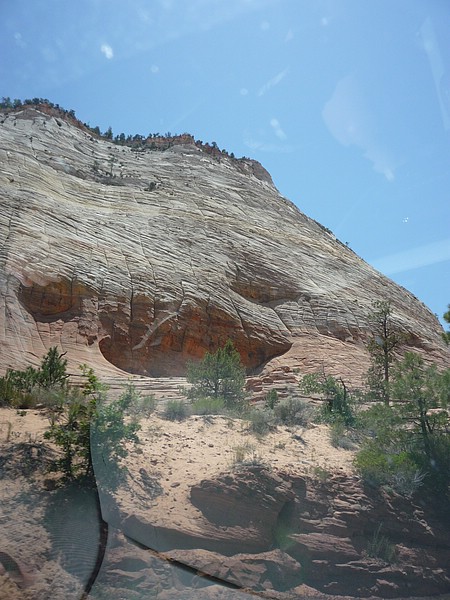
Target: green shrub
<point>338,402</point>
<point>208,406</point>
<point>292,412</point>
<point>323,475</point>
<point>407,443</point>
<point>53,370</point>
<point>70,423</point>
<point>108,431</point>
<point>271,399</point>
<point>139,405</point>
<point>219,375</point>
<point>372,464</point>
<point>242,451</point>
<point>247,456</point>
<point>261,422</point>
<point>342,436</point>
<point>378,421</point>
<point>438,468</point>
<point>7,390</point>
<point>396,471</point>
<point>89,430</point>
<point>379,546</point>
<point>18,388</point>
<point>407,481</point>
<point>147,405</point>
<point>176,410</point>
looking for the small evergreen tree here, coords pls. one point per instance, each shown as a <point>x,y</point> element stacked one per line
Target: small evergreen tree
<point>424,394</point>
<point>271,399</point>
<point>408,442</point>
<point>108,433</point>
<point>338,401</point>
<point>219,375</point>
<point>386,338</point>
<point>91,431</point>
<point>53,369</point>
<point>18,387</point>
<point>69,430</point>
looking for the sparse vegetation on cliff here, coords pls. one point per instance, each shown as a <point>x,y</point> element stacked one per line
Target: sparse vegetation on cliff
<point>446,334</point>
<point>406,442</point>
<point>152,141</point>
<point>338,402</point>
<point>420,401</point>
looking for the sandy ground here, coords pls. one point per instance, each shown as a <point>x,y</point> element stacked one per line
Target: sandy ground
<point>171,455</point>
<point>178,455</point>
<point>26,571</point>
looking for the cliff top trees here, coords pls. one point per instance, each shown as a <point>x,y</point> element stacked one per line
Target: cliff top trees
<point>446,335</point>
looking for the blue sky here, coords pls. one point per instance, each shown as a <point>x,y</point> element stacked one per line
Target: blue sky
<point>346,103</point>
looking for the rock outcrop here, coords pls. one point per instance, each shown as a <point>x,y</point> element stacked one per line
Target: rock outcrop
<point>329,538</point>
<point>285,532</point>
<point>135,261</point>
<point>230,501</point>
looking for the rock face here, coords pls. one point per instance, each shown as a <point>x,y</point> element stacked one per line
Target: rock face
<point>330,538</point>
<point>218,500</point>
<point>230,521</point>
<point>137,261</point>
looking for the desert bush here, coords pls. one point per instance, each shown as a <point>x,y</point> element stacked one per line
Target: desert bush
<point>70,421</point>
<point>19,389</point>
<point>378,421</point>
<point>292,412</point>
<point>372,464</point>
<point>208,406</point>
<point>261,422</point>
<point>406,482</point>
<point>407,443</point>
<point>148,405</point>
<point>342,436</point>
<point>241,452</point>
<point>379,546</point>
<point>53,369</point>
<point>109,431</point>
<point>7,391</point>
<point>90,431</point>
<point>323,475</point>
<point>392,469</point>
<point>338,402</point>
<point>176,410</point>
<point>271,399</point>
<point>246,456</point>
<point>139,405</point>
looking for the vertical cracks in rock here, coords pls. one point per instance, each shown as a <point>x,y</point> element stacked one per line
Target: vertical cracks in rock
<point>281,319</point>
<point>240,318</point>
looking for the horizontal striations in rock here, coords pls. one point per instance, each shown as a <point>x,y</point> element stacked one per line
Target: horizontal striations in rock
<point>139,261</point>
